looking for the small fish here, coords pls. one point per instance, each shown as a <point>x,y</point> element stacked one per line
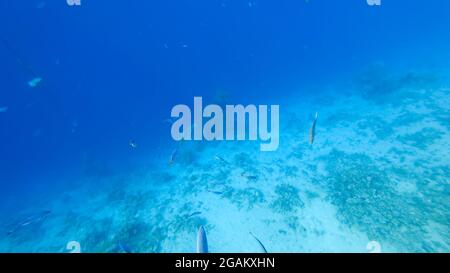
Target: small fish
<point>221,159</point>
<point>216,192</point>
<point>252,177</point>
<point>34,82</point>
<point>133,144</point>
<point>124,247</point>
<point>263,248</point>
<point>194,213</point>
<point>249,177</point>
<point>173,156</point>
<point>202,242</point>
<point>312,131</point>
<point>30,220</point>
<point>3,109</point>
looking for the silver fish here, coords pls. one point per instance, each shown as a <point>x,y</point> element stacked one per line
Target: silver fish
<point>312,131</point>
<point>123,247</point>
<point>221,159</point>
<point>30,220</point>
<point>202,242</point>
<point>173,156</point>
<point>132,144</point>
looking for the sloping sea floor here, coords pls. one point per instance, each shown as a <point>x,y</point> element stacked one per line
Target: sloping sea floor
<point>379,170</point>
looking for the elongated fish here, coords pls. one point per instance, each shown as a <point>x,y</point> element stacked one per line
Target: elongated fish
<point>312,131</point>
<point>36,79</point>
<point>249,176</point>
<point>263,248</point>
<point>221,159</point>
<point>30,220</point>
<point>34,82</point>
<point>123,247</point>
<point>202,242</point>
<point>215,192</point>
<point>173,156</point>
<point>194,214</point>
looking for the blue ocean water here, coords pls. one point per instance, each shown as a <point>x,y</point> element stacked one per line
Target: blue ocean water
<point>107,74</point>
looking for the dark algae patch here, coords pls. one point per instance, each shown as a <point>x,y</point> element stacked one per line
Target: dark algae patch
<point>287,199</point>
<point>244,198</point>
<point>366,199</point>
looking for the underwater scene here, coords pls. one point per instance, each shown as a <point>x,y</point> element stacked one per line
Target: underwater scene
<point>279,126</point>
